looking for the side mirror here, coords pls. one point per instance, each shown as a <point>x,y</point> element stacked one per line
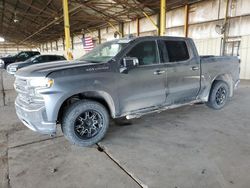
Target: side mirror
<point>35,61</point>
<point>128,64</point>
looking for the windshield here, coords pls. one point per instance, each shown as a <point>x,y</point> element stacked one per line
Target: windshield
<point>104,52</point>
<point>22,54</point>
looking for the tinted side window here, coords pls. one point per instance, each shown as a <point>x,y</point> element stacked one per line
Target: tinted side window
<point>146,52</point>
<point>52,58</point>
<point>60,58</point>
<point>44,58</point>
<point>177,50</point>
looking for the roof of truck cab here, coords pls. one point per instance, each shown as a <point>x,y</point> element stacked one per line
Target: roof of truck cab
<point>129,39</point>
<point>51,55</point>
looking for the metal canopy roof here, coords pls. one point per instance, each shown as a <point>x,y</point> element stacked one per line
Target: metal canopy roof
<point>34,21</point>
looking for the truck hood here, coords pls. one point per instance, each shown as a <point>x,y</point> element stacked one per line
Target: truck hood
<point>20,64</point>
<point>43,69</point>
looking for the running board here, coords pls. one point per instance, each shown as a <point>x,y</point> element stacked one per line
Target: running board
<point>140,113</point>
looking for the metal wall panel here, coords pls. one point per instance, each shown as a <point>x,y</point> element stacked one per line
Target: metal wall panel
<point>146,25</point>
<point>204,11</point>
<point>240,7</point>
<point>178,31</point>
<point>245,57</point>
<point>208,46</point>
<point>130,27</point>
<point>204,30</point>
<point>149,33</point>
<point>175,17</point>
<point>239,26</point>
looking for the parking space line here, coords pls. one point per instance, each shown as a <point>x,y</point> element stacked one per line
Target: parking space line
<point>34,142</point>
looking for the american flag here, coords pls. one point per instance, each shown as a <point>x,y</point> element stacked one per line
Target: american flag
<point>87,44</point>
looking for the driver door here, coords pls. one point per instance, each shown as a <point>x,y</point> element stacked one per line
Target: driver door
<point>143,86</point>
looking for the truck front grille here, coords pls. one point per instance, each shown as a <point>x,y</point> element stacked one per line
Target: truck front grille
<point>26,94</point>
<point>21,85</point>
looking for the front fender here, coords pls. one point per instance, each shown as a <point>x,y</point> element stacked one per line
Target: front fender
<point>54,101</point>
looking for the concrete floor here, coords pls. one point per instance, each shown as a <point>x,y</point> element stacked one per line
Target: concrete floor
<point>189,147</point>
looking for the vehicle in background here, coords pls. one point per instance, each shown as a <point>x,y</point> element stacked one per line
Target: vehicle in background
<point>121,78</point>
<point>12,68</point>
<point>6,55</point>
<point>21,56</point>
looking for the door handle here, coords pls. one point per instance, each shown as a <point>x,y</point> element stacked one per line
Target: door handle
<point>194,68</point>
<point>158,72</point>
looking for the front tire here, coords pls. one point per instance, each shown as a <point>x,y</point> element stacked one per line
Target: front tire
<point>219,95</point>
<point>85,123</point>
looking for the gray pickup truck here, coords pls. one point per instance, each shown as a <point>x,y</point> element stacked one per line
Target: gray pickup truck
<point>121,78</point>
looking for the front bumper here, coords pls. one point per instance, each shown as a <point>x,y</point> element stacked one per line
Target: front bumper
<point>34,117</point>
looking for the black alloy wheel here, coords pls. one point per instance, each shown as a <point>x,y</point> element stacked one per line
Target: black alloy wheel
<point>88,124</point>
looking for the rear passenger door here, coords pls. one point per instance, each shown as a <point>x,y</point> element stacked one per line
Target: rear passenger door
<point>183,71</point>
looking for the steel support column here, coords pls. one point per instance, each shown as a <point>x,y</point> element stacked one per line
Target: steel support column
<point>138,26</point>
<point>99,36</point>
<point>163,18</point>
<point>121,29</point>
<point>67,30</point>
<point>225,27</point>
<point>56,45</point>
<point>186,20</point>
<point>51,48</point>
<point>72,42</point>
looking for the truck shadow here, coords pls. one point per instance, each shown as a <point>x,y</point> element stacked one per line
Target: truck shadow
<point>166,120</point>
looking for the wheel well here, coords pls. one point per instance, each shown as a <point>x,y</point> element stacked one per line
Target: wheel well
<point>227,78</point>
<point>95,96</point>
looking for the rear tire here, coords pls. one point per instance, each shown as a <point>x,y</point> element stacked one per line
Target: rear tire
<point>219,95</point>
<point>85,123</point>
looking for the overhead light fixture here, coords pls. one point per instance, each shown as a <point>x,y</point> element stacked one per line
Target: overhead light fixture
<point>57,20</point>
<point>2,39</point>
<point>15,19</point>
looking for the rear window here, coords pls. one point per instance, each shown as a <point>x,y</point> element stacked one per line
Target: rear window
<point>61,58</point>
<point>177,50</point>
<point>53,58</point>
<point>33,53</point>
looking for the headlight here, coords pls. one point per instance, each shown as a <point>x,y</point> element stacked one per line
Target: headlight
<point>12,68</point>
<point>41,82</point>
